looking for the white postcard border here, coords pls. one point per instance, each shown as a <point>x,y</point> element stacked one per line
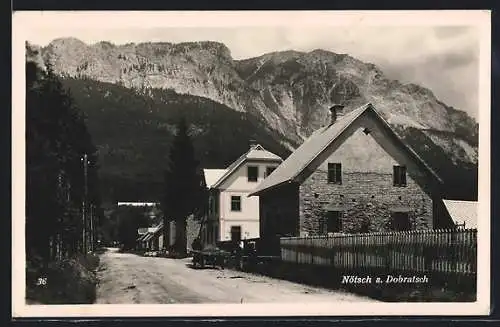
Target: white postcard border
<point>26,23</point>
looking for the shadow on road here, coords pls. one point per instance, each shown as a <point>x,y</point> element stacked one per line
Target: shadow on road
<point>192,266</point>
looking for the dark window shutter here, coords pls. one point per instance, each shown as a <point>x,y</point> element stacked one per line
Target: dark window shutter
<point>330,173</point>
<point>394,175</point>
<point>338,177</point>
<point>403,176</point>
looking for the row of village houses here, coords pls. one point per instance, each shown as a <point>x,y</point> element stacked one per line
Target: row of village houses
<point>353,175</point>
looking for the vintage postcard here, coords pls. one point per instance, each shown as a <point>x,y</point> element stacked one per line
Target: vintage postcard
<point>281,163</point>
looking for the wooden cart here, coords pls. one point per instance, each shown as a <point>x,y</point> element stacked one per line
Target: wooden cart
<point>213,257</point>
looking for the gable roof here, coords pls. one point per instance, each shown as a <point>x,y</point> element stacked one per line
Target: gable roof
<point>462,212</point>
<point>158,228</point>
<point>150,232</point>
<point>256,152</point>
<point>141,237</point>
<point>319,141</point>
<point>147,237</point>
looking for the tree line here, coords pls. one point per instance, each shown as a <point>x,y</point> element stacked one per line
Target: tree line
<point>134,133</point>
<point>62,192</point>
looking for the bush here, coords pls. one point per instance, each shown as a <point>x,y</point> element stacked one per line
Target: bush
<point>70,281</point>
<point>89,261</point>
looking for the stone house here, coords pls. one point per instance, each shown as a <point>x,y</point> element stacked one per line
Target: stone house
<point>232,215</point>
<point>354,175</point>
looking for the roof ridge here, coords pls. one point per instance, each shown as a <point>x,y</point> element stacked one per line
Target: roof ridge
<point>255,146</point>
<point>238,162</point>
<point>320,140</point>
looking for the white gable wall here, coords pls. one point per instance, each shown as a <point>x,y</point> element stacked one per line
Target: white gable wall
<point>361,153</point>
<point>238,185</point>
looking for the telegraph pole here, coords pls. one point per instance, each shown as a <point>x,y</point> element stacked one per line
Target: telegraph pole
<point>91,227</point>
<point>84,206</point>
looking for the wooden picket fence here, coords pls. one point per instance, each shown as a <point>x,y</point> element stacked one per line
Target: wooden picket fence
<point>432,251</point>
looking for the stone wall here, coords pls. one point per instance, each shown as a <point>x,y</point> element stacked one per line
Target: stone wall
<point>367,195</point>
<point>192,230</point>
<point>363,198</point>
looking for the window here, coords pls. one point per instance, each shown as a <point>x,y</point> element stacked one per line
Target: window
<point>334,173</point>
<point>235,203</point>
<point>332,222</point>
<point>235,233</point>
<point>269,170</point>
<point>399,176</point>
<point>253,173</point>
<point>400,221</point>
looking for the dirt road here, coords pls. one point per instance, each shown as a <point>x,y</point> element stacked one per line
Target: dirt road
<point>128,278</point>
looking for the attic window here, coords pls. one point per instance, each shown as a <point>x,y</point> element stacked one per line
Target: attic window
<point>399,176</point>
<point>366,131</point>
<point>253,173</point>
<point>334,173</point>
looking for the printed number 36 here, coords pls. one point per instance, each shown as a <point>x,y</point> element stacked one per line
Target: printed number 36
<point>41,281</point>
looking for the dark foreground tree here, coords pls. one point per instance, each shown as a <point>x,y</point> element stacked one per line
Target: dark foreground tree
<point>184,191</point>
<point>56,139</point>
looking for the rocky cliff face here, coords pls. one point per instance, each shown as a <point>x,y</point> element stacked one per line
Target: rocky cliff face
<point>203,69</point>
<point>291,91</point>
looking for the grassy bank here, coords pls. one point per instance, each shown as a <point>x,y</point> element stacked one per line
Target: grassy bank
<point>69,281</point>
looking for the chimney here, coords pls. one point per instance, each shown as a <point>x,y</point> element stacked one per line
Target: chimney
<point>253,143</point>
<point>336,111</point>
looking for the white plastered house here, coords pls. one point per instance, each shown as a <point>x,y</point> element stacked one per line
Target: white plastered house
<point>232,215</point>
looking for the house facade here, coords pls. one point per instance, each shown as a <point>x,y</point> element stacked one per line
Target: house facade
<point>232,215</point>
<point>354,175</point>
<point>151,238</point>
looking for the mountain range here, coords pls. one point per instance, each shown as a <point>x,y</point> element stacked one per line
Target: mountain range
<point>279,98</point>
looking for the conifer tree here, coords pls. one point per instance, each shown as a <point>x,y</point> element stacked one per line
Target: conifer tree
<point>184,191</point>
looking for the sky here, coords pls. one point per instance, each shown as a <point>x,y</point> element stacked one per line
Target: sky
<point>442,58</point>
